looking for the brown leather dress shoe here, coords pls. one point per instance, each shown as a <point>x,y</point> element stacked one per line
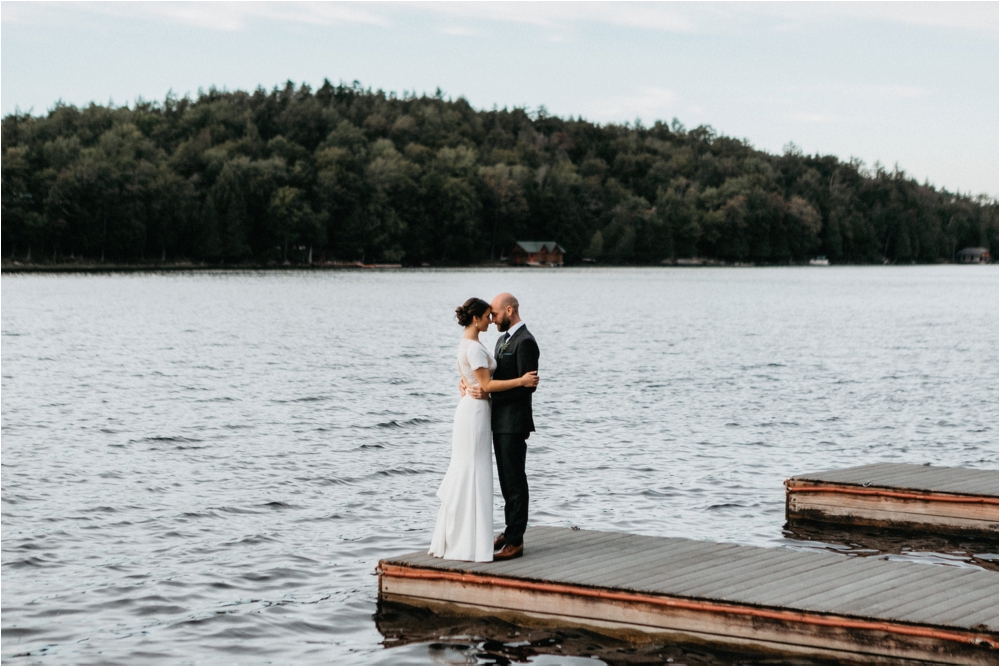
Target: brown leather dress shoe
<point>499,542</point>
<point>509,551</point>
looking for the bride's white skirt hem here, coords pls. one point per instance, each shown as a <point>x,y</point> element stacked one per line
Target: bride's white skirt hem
<point>464,529</point>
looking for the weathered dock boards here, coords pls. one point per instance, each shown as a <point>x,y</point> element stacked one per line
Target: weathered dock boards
<point>898,496</point>
<point>770,600</point>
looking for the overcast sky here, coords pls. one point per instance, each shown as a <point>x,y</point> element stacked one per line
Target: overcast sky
<point>913,84</point>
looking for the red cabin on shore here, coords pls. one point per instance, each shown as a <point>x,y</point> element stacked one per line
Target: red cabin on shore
<point>536,253</point>
<point>973,256</point>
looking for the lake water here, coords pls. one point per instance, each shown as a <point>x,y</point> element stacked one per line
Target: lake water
<point>207,467</point>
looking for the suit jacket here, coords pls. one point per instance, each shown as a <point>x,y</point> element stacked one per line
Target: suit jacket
<point>511,410</point>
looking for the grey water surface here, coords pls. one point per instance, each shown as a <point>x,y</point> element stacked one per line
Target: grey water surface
<point>207,467</point>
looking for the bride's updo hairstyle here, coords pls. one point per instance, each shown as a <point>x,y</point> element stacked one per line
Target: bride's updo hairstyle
<point>472,308</point>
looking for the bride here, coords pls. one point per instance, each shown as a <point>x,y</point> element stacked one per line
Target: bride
<point>464,528</point>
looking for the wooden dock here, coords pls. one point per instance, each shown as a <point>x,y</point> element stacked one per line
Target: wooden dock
<point>899,496</point>
<point>769,600</point>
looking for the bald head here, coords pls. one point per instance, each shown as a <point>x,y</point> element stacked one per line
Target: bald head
<point>504,300</point>
<point>504,308</point>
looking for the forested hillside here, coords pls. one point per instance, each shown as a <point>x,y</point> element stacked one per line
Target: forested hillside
<point>347,174</point>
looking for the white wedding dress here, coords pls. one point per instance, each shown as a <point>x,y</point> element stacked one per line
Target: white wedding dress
<point>464,528</point>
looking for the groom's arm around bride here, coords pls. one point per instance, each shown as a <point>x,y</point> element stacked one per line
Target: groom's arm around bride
<point>512,408</point>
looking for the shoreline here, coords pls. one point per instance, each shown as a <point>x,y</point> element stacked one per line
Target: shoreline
<point>13,268</point>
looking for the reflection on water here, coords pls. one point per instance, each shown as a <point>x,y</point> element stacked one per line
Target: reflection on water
<point>957,551</point>
<point>207,467</point>
<point>419,637</point>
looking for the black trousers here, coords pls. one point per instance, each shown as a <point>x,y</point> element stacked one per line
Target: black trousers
<point>511,450</point>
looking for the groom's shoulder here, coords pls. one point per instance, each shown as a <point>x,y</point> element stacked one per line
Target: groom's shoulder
<point>523,333</point>
<point>526,337</point>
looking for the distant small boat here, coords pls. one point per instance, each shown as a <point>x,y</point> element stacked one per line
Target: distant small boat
<point>819,261</point>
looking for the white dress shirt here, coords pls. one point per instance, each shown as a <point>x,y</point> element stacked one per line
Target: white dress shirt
<point>514,328</point>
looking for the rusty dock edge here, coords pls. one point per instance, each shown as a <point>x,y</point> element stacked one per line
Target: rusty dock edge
<point>891,508</point>
<point>900,497</point>
<point>639,615</point>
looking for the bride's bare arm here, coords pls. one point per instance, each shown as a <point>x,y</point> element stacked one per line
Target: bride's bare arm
<point>465,390</point>
<point>529,379</point>
<point>474,392</point>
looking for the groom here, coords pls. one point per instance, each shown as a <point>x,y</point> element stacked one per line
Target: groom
<point>516,354</point>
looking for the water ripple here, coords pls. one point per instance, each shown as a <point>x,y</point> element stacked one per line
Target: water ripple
<point>205,468</point>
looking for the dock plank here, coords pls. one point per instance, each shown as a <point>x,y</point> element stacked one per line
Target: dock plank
<point>712,578</point>
<point>974,617</point>
<point>764,582</point>
<point>784,591</point>
<point>647,550</point>
<point>596,574</point>
<point>693,565</point>
<point>916,600</point>
<point>916,477</point>
<point>932,602</point>
<point>901,587</point>
<point>945,611</point>
<point>772,577</point>
<point>556,560</point>
<point>862,586</point>
<point>884,477</point>
<point>953,480</point>
<point>895,582</point>
<point>800,584</point>
<point>651,561</point>
<point>639,556</point>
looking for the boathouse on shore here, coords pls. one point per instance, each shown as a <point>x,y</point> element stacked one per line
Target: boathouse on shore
<point>973,256</point>
<point>536,253</point>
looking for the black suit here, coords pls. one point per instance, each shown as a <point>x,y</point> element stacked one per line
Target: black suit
<point>512,423</point>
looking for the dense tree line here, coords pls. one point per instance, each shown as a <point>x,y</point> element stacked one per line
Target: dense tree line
<point>347,174</point>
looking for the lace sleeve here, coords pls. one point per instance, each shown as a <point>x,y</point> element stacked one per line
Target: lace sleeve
<point>478,357</point>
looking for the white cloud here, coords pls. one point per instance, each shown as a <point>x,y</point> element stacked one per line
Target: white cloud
<point>226,16</point>
<point>668,17</point>
<point>232,16</point>
<point>814,118</point>
<point>651,104</point>
<point>458,31</point>
<point>977,16</point>
<point>315,13</point>
<point>794,16</point>
<point>898,92</point>
<point>644,15</point>
<point>661,17</point>
<point>15,12</point>
<point>879,93</point>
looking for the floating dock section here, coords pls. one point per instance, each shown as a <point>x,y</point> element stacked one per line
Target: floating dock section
<point>900,496</point>
<point>769,600</point>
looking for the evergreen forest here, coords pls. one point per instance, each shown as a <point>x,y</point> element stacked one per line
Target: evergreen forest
<point>345,174</point>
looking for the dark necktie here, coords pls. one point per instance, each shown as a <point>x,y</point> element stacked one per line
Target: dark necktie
<point>503,342</point>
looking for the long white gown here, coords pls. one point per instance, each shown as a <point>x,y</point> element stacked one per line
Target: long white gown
<point>464,528</point>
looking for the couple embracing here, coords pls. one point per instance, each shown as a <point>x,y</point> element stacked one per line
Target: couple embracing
<point>495,405</point>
